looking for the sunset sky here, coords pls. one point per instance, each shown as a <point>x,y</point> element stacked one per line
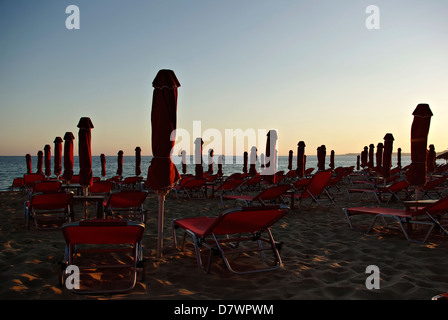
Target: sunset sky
<point>310,69</point>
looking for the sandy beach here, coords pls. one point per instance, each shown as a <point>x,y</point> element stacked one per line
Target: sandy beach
<point>323,259</point>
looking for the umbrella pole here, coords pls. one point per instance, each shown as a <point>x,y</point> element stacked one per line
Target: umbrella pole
<point>85,192</point>
<point>161,195</point>
<point>417,193</point>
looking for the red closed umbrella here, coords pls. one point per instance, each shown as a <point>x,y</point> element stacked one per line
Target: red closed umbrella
<point>253,161</point>
<point>399,158</point>
<point>332,159</point>
<point>300,159</point>
<point>245,156</point>
<point>40,161</point>
<point>379,155</point>
<point>431,165</point>
<point>68,156</point>
<point>416,175</point>
<point>220,165</point>
<point>58,156</point>
<point>103,165</point>
<point>138,160</point>
<point>358,162</point>
<point>28,164</point>
<point>371,154</point>
<point>321,154</point>
<point>364,157</point>
<point>85,153</point>
<point>210,161</point>
<point>290,156</point>
<point>184,162</point>
<point>162,173</point>
<point>120,163</point>
<point>387,155</point>
<point>47,158</point>
<point>198,143</point>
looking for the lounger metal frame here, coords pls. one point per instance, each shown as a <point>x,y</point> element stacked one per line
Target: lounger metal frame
<point>228,244</point>
<point>135,249</point>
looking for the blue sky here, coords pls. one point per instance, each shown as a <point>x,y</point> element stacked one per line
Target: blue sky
<point>310,69</point>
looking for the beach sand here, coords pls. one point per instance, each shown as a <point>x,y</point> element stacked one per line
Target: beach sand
<point>323,259</point>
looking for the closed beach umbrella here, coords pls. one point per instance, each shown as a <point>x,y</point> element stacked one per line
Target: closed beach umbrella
<point>379,155</point>
<point>319,158</point>
<point>198,157</point>
<point>332,159</point>
<point>68,156</point>
<point>28,164</point>
<point>103,165</point>
<point>387,155</point>
<point>184,161</point>
<point>245,158</point>
<point>210,161</point>
<point>162,173</point>
<point>290,156</point>
<point>300,159</point>
<point>358,162</point>
<point>416,175</point>
<point>253,161</point>
<point>371,154</point>
<point>40,161</point>
<point>399,158</point>
<point>47,157</point>
<point>364,157</point>
<point>220,165</point>
<point>85,153</point>
<point>138,160</point>
<point>431,159</point>
<point>58,156</point>
<point>120,163</point>
<point>321,154</point>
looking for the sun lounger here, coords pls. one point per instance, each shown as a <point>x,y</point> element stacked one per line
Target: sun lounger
<point>48,186</point>
<point>48,210</point>
<point>229,233</point>
<point>433,189</point>
<point>392,190</point>
<point>270,194</point>
<point>315,188</point>
<point>193,186</point>
<point>126,204</point>
<point>107,253</point>
<point>429,215</point>
<point>17,184</point>
<point>101,188</point>
<point>30,179</point>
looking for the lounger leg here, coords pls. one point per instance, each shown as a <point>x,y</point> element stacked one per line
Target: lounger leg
<point>373,223</point>
<point>348,218</point>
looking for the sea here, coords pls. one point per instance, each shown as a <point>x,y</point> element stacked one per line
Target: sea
<point>15,166</point>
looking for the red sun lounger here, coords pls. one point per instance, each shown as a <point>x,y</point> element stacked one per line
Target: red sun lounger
<point>190,185</point>
<point>235,231</point>
<point>392,190</point>
<point>106,252</point>
<point>430,215</point>
<point>315,188</point>
<point>126,204</point>
<point>268,195</point>
<point>48,210</point>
